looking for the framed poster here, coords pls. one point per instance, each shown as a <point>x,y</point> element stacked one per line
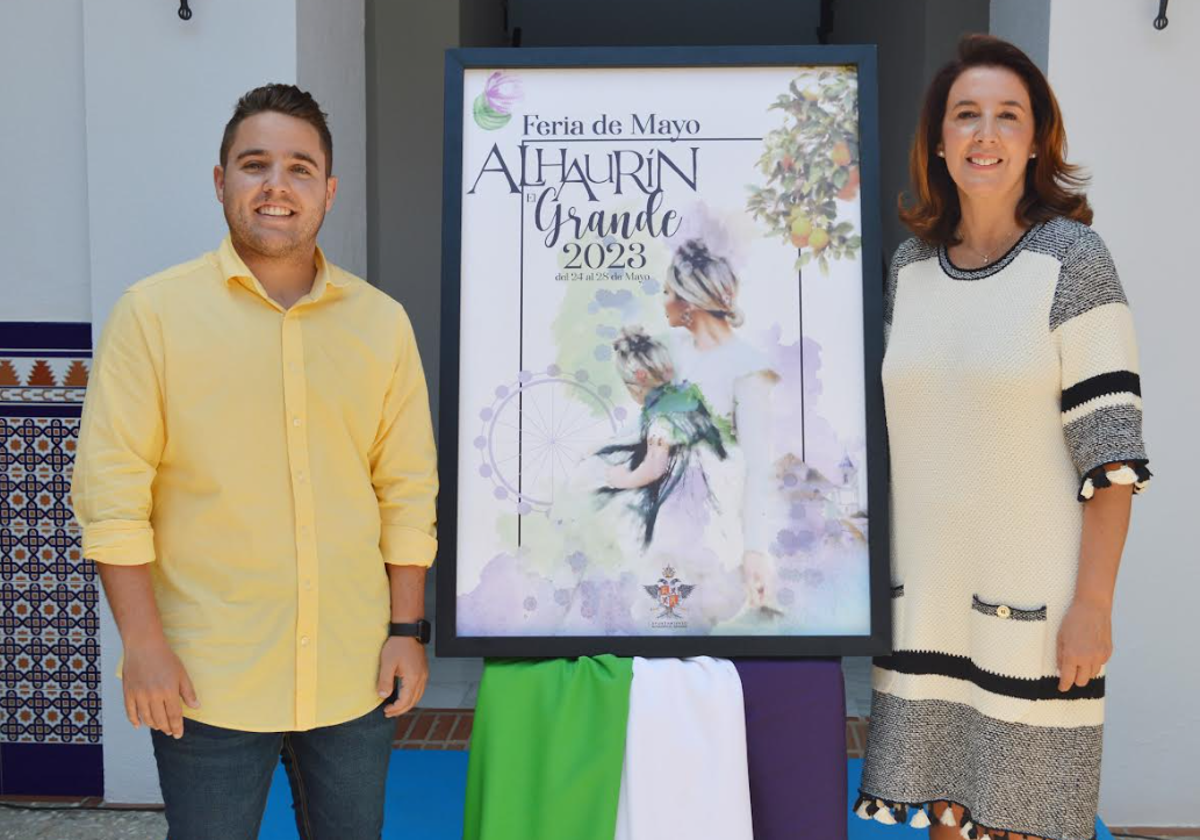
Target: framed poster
<point>661,420</point>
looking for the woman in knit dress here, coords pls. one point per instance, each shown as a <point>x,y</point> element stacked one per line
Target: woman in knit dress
<point>1014,418</point>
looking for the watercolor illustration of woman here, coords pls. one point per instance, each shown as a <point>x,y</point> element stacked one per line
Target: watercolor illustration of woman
<point>664,474</point>
<point>700,296</point>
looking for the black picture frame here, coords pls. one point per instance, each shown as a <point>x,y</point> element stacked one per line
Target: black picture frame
<point>449,643</point>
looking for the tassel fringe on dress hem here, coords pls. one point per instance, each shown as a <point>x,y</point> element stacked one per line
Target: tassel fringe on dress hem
<point>920,815</point>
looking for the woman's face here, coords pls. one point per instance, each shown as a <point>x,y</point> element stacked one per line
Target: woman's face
<point>674,306</point>
<point>987,133</point>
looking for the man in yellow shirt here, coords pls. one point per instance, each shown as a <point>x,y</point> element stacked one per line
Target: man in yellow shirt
<point>256,480</point>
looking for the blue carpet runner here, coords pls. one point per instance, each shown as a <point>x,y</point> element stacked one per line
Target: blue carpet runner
<point>425,802</point>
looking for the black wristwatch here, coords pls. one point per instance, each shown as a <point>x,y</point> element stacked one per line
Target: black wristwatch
<point>420,630</point>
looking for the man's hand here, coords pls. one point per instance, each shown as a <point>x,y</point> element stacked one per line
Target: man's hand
<point>154,681</point>
<point>153,677</point>
<point>1084,643</point>
<point>402,657</point>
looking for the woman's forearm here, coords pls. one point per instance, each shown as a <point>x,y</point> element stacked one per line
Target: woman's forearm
<point>1084,642</point>
<point>1105,524</point>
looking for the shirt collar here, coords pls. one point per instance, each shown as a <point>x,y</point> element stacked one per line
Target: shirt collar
<point>234,269</point>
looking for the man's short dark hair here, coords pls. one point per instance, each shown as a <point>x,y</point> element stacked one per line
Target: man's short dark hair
<point>283,99</point>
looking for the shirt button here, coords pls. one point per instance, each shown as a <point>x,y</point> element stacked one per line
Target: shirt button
<point>300,476</point>
<point>308,584</point>
<point>304,530</point>
<point>304,641</point>
<point>1003,612</point>
<point>295,421</point>
<point>292,367</point>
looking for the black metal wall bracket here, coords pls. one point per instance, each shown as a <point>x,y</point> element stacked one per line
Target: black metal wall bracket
<point>184,12</point>
<point>1160,22</point>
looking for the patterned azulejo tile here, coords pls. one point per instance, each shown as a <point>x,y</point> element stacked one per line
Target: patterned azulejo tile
<point>49,619</point>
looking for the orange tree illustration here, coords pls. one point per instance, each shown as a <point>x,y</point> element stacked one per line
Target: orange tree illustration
<point>810,163</point>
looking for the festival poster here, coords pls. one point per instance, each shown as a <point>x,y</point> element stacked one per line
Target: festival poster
<point>660,424</point>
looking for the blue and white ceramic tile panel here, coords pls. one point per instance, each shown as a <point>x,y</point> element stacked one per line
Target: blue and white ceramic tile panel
<point>49,618</point>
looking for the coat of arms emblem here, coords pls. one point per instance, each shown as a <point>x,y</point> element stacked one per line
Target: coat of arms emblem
<point>669,592</point>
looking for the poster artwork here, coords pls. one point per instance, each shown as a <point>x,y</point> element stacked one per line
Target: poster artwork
<point>661,428</point>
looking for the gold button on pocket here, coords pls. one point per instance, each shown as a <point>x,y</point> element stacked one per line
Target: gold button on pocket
<point>1011,641</point>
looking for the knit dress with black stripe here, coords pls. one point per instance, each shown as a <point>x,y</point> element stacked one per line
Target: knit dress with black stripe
<point>1007,390</point>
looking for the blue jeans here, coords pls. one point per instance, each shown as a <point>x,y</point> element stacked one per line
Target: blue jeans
<point>215,781</point>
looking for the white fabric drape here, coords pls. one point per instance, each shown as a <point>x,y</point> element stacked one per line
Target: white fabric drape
<point>685,775</point>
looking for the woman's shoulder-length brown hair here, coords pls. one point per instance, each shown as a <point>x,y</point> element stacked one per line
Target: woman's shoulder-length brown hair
<point>1053,187</point>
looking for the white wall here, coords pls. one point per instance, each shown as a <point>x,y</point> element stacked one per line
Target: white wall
<point>331,40</point>
<point>1131,119</point>
<point>44,215</point>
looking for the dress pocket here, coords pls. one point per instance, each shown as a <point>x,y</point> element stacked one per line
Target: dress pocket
<point>1008,640</point>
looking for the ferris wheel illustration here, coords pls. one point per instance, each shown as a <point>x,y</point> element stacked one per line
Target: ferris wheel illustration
<point>538,429</point>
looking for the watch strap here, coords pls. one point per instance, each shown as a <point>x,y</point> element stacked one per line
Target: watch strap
<point>419,630</point>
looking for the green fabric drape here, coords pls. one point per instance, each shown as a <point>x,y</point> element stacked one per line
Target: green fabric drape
<point>547,749</point>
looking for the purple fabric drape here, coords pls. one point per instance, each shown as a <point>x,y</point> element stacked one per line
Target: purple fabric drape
<point>796,746</point>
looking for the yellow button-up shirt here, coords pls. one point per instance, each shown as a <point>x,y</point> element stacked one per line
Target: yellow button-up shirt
<point>267,464</point>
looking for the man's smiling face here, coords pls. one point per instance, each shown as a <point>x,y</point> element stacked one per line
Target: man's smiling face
<point>274,185</point>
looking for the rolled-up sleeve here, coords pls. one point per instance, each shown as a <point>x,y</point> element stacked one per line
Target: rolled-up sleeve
<point>121,438</point>
<point>404,462</point>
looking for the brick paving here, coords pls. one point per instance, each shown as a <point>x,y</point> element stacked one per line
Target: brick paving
<point>434,729</point>
<point>450,729</point>
<point>856,736</point>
